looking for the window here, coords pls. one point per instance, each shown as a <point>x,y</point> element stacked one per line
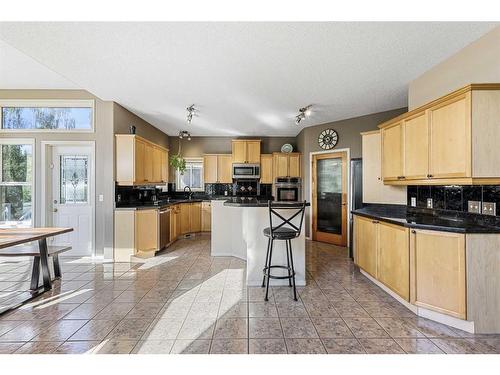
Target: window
<point>192,177</point>
<point>16,183</point>
<point>47,115</point>
<point>74,183</point>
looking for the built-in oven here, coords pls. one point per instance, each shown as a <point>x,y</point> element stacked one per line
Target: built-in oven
<point>287,189</point>
<point>246,171</point>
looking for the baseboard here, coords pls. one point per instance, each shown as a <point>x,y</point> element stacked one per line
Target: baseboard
<point>451,321</point>
<point>396,296</point>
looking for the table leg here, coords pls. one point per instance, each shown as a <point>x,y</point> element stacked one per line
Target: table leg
<point>44,260</point>
<point>35,273</point>
<point>57,266</point>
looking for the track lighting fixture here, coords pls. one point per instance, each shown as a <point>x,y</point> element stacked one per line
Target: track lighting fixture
<point>303,113</point>
<point>190,112</point>
<point>185,134</point>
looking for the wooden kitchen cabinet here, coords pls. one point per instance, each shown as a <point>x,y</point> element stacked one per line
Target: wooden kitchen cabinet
<point>392,152</point>
<point>374,190</point>
<point>217,168</point>
<point>246,151</point>
<point>185,219</point>
<point>286,165</point>
<point>195,217</point>
<point>366,238</point>
<point>224,169</point>
<point>146,231</point>
<point>438,271</point>
<point>206,216</point>
<point>447,141</point>
<point>266,169</point>
<point>416,146</point>
<point>210,169</point>
<point>450,138</point>
<point>140,162</point>
<point>393,258</point>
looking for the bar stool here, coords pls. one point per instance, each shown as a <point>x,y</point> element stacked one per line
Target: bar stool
<point>284,231</point>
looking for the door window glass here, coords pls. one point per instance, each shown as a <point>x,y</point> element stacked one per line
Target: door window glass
<point>74,187</point>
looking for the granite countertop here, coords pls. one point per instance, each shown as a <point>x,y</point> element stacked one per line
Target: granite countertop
<point>419,220</point>
<point>255,202</point>
<point>149,206</point>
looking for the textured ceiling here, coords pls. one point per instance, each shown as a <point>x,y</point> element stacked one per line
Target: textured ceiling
<point>245,78</point>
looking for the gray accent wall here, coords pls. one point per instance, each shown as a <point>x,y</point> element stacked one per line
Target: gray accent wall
<point>349,137</point>
<point>198,146</point>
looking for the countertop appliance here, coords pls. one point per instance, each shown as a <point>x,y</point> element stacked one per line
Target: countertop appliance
<point>287,189</point>
<point>356,196</point>
<point>246,171</point>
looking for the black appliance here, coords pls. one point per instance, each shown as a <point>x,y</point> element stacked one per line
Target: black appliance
<point>287,189</point>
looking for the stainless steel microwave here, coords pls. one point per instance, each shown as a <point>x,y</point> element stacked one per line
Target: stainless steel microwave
<point>247,171</point>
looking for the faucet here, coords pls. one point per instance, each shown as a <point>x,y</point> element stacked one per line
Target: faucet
<point>190,192</point>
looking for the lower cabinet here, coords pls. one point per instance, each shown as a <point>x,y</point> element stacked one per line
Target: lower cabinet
<point>366,244</point>
<point>138,232</point>
<point>394,258</point>
<point>424,267</point>
<point>206,216</point>
<point>382,250</point>
<point>438,280</point>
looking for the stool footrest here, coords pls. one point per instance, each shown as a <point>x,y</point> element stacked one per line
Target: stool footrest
<point>267,272</point>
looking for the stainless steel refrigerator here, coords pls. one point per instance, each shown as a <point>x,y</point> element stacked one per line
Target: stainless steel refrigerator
<point>356,194</point>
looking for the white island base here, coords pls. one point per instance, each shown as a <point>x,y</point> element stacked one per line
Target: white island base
<point>237,231</point>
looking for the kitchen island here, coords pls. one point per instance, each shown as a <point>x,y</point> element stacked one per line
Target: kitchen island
<point>237,226</point>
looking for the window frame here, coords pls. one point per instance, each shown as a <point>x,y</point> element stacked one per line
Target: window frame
<point>32,143</point>
<point>177,175</point>
<point>48,103</point>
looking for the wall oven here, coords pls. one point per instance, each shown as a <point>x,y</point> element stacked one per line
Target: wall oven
<point>246,171</point>
<point>287,189</point>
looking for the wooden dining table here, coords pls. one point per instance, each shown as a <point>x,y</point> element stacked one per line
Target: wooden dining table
<point>11,238</point>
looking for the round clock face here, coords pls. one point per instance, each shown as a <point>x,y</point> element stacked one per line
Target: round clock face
<point>328,139</point>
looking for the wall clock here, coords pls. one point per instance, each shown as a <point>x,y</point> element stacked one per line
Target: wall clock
<point>328,139</point>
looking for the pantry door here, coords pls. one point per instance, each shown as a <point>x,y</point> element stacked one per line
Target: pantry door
<point>329,198</point>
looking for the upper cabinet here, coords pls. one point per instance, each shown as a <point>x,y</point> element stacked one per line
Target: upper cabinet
<point>217,169</point>
<point>448,141</point>
<point>286,165</point>
<point>450,138</point>
<point>246,151</point>
<point>140,162</point>
<point>374,190</point>
<point>392,151</point>
<point>266,169</point>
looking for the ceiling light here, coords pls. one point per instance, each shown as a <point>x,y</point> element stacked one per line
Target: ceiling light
<point>303,113</point>
<point>190,112</point>
<point>185,134</point>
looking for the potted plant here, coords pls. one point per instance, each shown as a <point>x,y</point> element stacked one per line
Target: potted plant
<point>177,161</point>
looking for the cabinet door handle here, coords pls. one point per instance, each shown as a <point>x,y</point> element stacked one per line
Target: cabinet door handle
<point>413,231</point>
<point>430,176</point>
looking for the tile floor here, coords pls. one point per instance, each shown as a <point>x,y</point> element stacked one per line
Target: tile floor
<point>185,301</point>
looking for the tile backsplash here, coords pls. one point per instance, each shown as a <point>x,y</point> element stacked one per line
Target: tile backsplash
<point>454,198</point>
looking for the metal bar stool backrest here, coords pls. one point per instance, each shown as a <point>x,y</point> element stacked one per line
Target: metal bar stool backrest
<point>299,208</point>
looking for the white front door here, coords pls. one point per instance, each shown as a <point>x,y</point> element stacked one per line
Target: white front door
<point>72,197</point>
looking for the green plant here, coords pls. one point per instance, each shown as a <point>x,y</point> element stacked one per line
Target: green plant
<point>178,162</point>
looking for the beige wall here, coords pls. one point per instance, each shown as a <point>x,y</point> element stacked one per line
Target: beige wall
<point>109,118</point>
<point>349,137</point>
<point>198,146</point>
<point>479,62</point>
<point>103,138</point>
<point>123,118</point>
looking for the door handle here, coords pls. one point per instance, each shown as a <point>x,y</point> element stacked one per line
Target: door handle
<point>55,209</point>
